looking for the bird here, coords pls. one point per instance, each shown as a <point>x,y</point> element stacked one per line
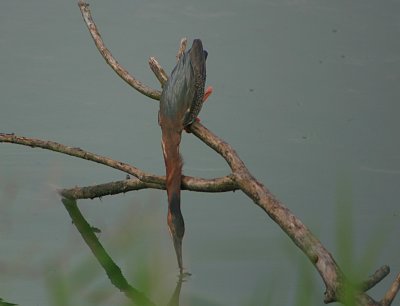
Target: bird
<point>181,100</point>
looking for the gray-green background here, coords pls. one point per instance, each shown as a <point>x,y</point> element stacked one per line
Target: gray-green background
<point>306,91</point>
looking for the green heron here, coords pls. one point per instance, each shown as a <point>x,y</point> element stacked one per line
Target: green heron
<point>181,100</point>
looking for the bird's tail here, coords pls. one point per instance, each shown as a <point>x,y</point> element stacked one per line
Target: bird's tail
<point>173,164</point>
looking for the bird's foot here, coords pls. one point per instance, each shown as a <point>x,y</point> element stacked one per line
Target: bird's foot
<point>187,128</point>
<point>207,93</point>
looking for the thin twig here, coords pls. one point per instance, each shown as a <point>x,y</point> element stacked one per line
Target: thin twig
<point>182,48</point>
<point>101,190</point>
<point>160,73</point>
<point>375,278</point>
<point>111,61</point>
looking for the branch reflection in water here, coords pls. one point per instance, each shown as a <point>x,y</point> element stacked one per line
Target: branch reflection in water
<point>113,272</point>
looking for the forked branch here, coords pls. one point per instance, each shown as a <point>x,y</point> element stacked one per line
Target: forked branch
<point>141,180</point>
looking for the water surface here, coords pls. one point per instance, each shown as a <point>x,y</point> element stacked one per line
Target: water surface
<point>305,91</point>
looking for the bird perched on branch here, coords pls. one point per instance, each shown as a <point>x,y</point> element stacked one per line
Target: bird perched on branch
<point>181,101</point>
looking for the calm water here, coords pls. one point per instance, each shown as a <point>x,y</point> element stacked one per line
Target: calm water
<point>307,92</point>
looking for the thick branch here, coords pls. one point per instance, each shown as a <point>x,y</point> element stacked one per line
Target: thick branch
<point>121,71</point>
<point>289,223</point>
<point>320,257</point>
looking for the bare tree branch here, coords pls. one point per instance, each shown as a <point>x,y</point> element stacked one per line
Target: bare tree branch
<point>101,190</point>
<point>375,278</point>
<point>145,180</point>
<point>111,61</point>
<point>182,48</point>
<point>293,227</point>
<point>161,75</point>
<point>333,277</point>
<point>391,293</point>
<point>78,152</point>
<point>223,184</point>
